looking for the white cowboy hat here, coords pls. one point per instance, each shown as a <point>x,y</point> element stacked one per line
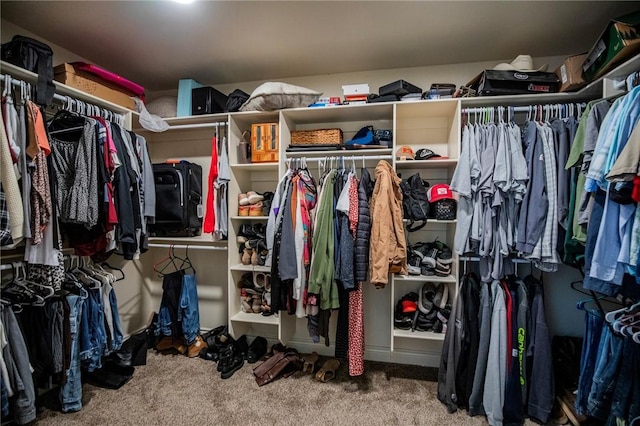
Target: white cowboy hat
<point>522,63</point>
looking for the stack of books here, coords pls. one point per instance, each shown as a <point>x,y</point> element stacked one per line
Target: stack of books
<point>355,93</point>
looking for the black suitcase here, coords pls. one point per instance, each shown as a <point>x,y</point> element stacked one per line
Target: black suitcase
<point>179,209</point>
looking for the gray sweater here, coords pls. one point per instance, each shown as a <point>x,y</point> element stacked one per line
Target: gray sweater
<point>494,383</point>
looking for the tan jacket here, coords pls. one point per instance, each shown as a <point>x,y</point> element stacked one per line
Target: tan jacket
<point>387,246</point>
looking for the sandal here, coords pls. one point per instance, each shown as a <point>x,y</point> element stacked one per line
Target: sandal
<point>328,370</point>
<point>310,362</point>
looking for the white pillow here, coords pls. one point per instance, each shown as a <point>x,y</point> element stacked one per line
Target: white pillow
<point>272,96</point>
<point>164,106</point>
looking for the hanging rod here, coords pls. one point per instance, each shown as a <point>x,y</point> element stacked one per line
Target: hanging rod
<point>515,109</point>
<point>65,99</point>
<point>198,126</point>
<point>477,259</point>
<point>17,82</point>
<point>345,157</point>
<point>187,246</point>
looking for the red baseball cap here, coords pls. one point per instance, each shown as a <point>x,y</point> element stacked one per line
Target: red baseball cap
<point>440,191</point>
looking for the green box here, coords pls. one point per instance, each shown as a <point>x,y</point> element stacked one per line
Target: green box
<point>619,41</point>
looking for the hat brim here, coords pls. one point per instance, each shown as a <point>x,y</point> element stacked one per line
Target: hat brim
<point>508,67</point>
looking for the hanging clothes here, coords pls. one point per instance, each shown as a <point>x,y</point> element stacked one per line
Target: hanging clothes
<point>221,187</point>
<point>11,188</point>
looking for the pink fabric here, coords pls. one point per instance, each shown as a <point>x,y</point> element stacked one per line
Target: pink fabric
<point>128,85</point>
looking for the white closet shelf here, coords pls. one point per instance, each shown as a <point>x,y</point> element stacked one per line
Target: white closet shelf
<point>255,166</point>
<point>343,153</point>
<point>424,278</point>
<point>203,239</point>
<point>427,164</point>
<point>249,217</point>
<point>256,318</point>
<point>422,335</point>
<point>250,268</point>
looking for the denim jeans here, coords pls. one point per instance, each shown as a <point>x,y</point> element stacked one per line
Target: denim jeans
<point>605,375</point>
<point>168,323</point>
<point>116,339</point>
<point>94,337</point>
<point>590,345</point>
<point>624,396</point>
<point>71,390</point>
<point>189,314</point>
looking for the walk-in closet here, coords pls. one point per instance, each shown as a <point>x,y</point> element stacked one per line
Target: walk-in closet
<point>320,212</point>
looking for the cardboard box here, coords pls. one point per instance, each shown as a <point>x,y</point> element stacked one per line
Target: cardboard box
<point>264,142</point>
<point>570,73</point>
<point>619,41</point>
<point>94,85</point>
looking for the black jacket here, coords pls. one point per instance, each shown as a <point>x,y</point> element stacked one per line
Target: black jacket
<point>363,230</point>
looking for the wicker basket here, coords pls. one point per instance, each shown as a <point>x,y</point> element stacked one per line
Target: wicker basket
<point>316,137</point>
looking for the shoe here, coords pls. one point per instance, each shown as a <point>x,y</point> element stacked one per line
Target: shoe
<point>442,270</point>
<point>259,279</point>
<point>243,200</point>
<point>233,362</point>
<point>413,264</point>
<point>425,298</point>
<point>427,271</point>
<point>442,296</point>
<point>246,256</point>
<point>210,354</point>
<point>256,303</point>
<point>243,210</point>
<point>430,255</point>
<point>444,252</point>
<point>310,360</point>
<point>241,346</point>
<point>257,349</point>
<point>255,209</point>
<point>404,312</point>
<point>255,198</point>
<point>209,336</point>
<point>195,348</point>
<point>266,203</point>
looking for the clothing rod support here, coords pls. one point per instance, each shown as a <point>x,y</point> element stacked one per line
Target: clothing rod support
<point>477,259</point>
<point>187,246</point>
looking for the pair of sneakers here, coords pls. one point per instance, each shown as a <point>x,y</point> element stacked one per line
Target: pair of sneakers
<point>430,259</point>
<point>432,305</point>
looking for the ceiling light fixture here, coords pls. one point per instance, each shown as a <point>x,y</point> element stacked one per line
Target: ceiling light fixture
<point>184,1</point>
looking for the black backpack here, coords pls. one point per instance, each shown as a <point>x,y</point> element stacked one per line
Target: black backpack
<point>415,202</point>
<point>179,207</point>
<point>36,57</point>
<point>235,100</point>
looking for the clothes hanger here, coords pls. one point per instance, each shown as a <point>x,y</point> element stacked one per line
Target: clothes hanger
<point>168,260</point>
<point>113,268</point>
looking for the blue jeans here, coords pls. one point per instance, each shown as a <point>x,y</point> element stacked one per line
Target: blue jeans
<point>94,335</point>
<point>189,313</point>
<point>605,375</point>
<point>179,314</point>
<point>590,345</point>
<point>116,339</point>
<point>71,390</point>
<point>624,395</point>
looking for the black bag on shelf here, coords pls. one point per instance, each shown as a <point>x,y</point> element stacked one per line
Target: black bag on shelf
<point>34,56</point>
<point>415,202</point>
<point>235,100</point>
<point>179,209</point>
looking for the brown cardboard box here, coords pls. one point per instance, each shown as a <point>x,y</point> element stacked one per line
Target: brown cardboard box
<point>570,73</point>
<point>94,85</point>
<point>619,42</point>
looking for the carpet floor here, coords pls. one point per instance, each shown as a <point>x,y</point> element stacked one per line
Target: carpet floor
<point>176,390</point>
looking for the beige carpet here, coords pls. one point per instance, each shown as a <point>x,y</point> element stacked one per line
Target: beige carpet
<point>175,390</point>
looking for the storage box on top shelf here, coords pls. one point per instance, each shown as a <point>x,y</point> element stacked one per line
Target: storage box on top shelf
<point>570,73</point>
<point>501,82</point>
<point>185,88</point>
<point>264,142</point>
<point>93,85</point>
<point>619,42</point>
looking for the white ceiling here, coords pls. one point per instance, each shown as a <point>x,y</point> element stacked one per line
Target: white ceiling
<point>216,42</point>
